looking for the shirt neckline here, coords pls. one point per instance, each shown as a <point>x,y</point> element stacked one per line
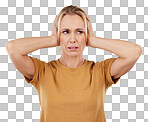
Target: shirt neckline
<point>72,69</point>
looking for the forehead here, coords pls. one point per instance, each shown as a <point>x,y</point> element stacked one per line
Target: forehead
<point>72,21</point>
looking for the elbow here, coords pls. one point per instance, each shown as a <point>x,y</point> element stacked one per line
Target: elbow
<point>138,51</point>
<point>135,52</point>
<point>139,48</point>
<point>9,46</point>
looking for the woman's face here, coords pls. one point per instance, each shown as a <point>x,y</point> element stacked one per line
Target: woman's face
<point>72,33</point>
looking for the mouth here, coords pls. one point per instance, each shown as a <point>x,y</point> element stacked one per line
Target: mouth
<point>73,48</point>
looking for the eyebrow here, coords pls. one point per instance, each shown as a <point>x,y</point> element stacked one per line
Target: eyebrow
<point>75,29</point>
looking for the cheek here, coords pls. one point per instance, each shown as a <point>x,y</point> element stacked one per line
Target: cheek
<point>63,44</point>
<point>83,38</point>
<point>82,44</point>
<point>63,40</point>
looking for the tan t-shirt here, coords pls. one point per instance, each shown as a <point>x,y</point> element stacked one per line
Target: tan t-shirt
<point>72,94</point>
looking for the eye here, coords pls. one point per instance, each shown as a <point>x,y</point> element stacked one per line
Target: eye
<point>65,31</point>
<point>80,31</point>
<point>77,31</point>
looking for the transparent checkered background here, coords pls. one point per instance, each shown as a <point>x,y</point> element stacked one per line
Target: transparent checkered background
<point>126,101</point>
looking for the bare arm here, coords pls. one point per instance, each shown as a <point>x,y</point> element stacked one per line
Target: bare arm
<point>19,48</point>
<point>23,46</point>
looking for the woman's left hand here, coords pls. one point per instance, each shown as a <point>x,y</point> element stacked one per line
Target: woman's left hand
<point>90,34</point>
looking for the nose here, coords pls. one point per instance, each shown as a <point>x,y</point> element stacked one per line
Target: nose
<point>72,41</point>
<point>72,38</point>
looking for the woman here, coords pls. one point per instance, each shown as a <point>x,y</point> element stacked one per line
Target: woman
<point>72,89</point>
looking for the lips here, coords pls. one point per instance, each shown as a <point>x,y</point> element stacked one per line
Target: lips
<point>73,47</point>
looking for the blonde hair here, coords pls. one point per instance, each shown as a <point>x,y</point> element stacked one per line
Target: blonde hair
<point>71,10</point>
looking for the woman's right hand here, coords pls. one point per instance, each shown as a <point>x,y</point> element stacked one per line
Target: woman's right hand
<point>54,33</point>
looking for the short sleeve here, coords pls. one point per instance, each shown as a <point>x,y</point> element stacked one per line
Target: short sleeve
<point>106,66</point>
<point>39,71</point>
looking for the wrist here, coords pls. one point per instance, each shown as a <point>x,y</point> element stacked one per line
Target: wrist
<point>92,40</point>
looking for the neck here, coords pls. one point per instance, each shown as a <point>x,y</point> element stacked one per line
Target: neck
<point>72,62</point>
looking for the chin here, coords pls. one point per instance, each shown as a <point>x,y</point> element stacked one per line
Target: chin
<point>73,54</point>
